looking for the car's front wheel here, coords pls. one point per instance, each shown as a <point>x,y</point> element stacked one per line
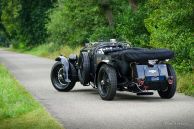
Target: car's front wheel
<point>107,82</point>
<point>58,77</point>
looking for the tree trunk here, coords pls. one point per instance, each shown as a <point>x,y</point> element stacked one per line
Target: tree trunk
<point>109,16</point>
<point>106,7</point>
<point>0,9</point>
<point>134,5</point>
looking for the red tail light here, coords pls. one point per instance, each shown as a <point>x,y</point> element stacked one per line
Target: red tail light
<point>141,82</point>
<point>170,80</point>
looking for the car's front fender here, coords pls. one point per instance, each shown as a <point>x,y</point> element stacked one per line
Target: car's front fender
<point>65,63</point>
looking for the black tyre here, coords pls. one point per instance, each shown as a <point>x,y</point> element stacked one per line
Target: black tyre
<point>57,77</point>
<point>107,82</point>
<point>84,68</point>
<point>171,89</point>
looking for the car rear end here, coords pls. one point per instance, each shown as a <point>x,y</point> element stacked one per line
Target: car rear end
<point>152,77</point>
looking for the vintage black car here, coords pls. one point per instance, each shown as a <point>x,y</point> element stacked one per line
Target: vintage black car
<point>112,66</point>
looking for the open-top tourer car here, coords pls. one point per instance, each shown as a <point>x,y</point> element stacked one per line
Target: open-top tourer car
<point>112,66</point>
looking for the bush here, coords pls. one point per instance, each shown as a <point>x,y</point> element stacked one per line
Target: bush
<point>155,23</point>
<point>170,25</point>
<point>73,22</point>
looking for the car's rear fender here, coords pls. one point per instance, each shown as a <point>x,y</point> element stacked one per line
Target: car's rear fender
<point>107,62</point>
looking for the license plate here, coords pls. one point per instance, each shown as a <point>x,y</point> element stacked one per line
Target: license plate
<point>155,79</point>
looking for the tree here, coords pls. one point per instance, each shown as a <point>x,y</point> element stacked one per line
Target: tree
<point>105,5</point>
<point>2,27</point>
<point>33,18</point>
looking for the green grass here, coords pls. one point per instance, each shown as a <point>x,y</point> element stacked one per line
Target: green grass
<point>50,50</point>
<point>18,109</point>
<point>186,83</point>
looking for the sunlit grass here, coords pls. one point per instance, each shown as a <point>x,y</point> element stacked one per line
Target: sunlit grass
<point>18,109</point>
<point>186,83</point>
<point>51,50</point>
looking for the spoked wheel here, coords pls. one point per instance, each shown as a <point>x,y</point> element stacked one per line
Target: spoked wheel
<point>171,88</point>
<point>58,77</point>
<point>107,82</point>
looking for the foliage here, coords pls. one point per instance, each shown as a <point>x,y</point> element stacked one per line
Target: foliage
<point>186,84</point>
<point>24,20</point>
<point>130,25</point>
<point>17,107</point>
<point>32,20</point>
<point>149,23</point>
<point>170,24</point>
<point>73,22</point>
<point>9,16</point>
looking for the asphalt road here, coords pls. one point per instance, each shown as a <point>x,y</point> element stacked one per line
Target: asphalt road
<point>82,108</point>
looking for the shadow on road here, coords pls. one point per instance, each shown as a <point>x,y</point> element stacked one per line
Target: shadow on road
<point>85,90</point>
<point>122,96</point>
<point>134,97</point>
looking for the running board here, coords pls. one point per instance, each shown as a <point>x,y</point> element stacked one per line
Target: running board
<point>145,93</point>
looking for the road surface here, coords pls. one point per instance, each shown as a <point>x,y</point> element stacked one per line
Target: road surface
<point>82,108</point>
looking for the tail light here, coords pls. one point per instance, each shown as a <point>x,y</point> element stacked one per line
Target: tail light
<point>141,82</point>
<point>170,80</point>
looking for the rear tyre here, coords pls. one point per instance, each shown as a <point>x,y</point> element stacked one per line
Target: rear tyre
<point>171,89</point>
<point>58,77</point>
<point>107,82</point>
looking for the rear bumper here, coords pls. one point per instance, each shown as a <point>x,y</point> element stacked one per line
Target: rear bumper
<point>155,85</point>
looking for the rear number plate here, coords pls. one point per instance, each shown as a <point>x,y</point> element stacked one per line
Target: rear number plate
<point>155,79</point>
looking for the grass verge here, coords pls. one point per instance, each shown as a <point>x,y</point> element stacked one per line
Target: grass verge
<point>50,50</point>
<point>186,83</point>
<point>18,109</point>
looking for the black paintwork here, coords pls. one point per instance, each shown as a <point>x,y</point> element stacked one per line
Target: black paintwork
<point>129,73</point>
<point>129,69</point>
<point>101,53</point>
<point>97,58</point>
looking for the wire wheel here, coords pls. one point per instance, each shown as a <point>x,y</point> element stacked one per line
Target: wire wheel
<point>58,77</point>
<point>104,83</point>
<point>61,78</point>
<point>107,82</point>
